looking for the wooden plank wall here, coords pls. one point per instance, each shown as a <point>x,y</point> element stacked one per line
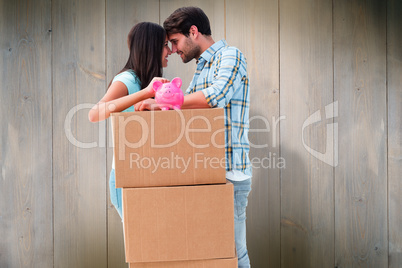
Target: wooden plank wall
<point>325,117</point>
<point>79,157</point>
<point>26,228</point>
<point>394,108</point>
<point>307,218</point>
<point>361,176</point>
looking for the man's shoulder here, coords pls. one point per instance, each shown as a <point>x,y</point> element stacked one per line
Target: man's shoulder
<point>231,52</point>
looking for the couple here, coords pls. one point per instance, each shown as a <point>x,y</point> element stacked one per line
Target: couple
<point>220,80</point>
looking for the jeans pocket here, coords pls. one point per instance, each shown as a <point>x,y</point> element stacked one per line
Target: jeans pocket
<point>241,204</point>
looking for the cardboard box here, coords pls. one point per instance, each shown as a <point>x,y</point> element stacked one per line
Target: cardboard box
<point>164,148</point>
<point>178,223</point>
<point>214,263</point>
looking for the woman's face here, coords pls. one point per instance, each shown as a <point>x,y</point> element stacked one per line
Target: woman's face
<point>165,53</point>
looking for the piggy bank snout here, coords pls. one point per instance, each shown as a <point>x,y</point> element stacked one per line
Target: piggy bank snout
<point>169,91</point>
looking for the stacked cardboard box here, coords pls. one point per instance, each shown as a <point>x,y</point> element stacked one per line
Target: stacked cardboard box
<point>177,205</point>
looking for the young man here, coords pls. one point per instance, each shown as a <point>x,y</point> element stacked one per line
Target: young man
<point>220,80</point>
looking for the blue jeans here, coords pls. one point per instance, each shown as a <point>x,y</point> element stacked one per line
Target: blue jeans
<point>115,193</point>
<point>241,192</point>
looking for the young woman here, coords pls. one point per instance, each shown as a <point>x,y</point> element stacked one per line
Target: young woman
<point>149,50</point>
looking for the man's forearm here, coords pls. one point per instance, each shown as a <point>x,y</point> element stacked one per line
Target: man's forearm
<point>195,100</point>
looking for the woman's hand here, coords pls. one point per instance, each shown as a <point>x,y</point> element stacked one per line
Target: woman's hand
<point>150,90</point>
<point>146,105</point>
<point>117,100</point>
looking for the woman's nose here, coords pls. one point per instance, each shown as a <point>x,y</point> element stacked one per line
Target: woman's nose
<point>174,49</point>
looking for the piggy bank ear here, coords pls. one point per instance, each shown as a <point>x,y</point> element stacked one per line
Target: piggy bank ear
<point>177,82</point>
<point>157,85</point>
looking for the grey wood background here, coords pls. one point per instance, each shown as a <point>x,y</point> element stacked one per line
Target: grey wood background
<point>339,62</point>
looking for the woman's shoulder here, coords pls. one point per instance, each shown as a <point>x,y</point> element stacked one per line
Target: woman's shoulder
<point>128,74</point>
<point>130,79</point>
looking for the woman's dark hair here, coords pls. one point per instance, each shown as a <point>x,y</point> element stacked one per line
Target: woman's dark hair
<point>181,20</point>
<point>146,41</point>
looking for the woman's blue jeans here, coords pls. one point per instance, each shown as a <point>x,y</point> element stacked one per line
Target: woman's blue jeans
<point>115,193</point>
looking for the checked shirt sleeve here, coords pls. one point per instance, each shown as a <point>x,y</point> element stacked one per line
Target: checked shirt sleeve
<point>228,78</point>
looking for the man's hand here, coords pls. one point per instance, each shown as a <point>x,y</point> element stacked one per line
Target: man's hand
<point>146,105</point>
<point>195,100</point>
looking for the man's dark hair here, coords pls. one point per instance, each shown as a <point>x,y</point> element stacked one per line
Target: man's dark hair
<point>181,20</point>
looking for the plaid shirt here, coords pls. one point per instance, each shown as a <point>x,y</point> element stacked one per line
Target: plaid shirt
<point>222,76</point>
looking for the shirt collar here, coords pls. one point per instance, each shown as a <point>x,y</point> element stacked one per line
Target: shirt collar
<point>207,54</point>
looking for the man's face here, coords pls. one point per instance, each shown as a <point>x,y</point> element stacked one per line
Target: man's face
<point>184,46</point>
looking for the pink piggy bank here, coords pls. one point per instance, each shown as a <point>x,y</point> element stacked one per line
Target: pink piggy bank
<point>169,94</point>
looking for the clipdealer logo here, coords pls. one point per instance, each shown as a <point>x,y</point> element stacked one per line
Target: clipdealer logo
<point>175,161</point>
<point>271,160</point>
<point>330,156</point>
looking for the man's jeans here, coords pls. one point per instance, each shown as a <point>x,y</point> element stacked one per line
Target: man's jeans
<point>241,192</point>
